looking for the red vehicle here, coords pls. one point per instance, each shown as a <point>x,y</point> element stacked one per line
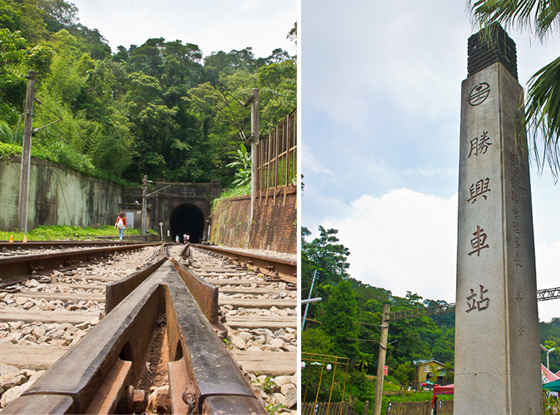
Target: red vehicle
<point>440,390</point>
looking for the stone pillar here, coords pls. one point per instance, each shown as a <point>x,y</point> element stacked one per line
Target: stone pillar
<point>497,358</point>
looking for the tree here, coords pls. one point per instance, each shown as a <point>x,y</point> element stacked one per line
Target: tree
<point>316,341</point>
<point>339,320</point>
<point>325,255</point>
<point>404,373</point>
<point>542,106</point>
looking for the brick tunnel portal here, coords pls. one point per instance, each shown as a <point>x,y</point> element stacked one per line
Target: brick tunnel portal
<point>187,219</point>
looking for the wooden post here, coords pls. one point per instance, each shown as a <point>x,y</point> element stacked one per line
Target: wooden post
<point>23,201</point>
<point>381,360</point>
<point>366,408</point>
<point>144,196</point>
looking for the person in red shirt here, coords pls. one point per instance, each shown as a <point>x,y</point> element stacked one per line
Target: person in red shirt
<point>120,224</point>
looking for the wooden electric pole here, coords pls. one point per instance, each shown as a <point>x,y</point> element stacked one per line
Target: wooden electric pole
<point>381,360</point>
<point>23,200</point>
<point>144,195</point>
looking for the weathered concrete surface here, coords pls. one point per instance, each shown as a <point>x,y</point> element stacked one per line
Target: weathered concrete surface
<point>57,196</point>
<point>61,196</point>
<point>497,361</point>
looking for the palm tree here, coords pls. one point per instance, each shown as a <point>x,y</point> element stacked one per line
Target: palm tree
<point>542,106</point>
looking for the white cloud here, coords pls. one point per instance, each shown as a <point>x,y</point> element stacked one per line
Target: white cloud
<point>407,241</point>
<point>402,241</point>
<point>390,53</point>
<point>362,57</point>
<point>429,172</point>
<point>310,163</point>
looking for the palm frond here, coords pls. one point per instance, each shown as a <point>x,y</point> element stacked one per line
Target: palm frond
<point>542,112</point>
<point>537,15</point>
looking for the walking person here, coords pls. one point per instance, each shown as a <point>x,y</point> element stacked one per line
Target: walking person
<point>120,224</point>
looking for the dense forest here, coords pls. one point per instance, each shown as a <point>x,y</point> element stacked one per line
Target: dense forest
<point>160,108</point>
<point>346,324</point>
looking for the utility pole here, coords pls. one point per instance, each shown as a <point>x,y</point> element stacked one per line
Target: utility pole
<point>144,191</point>
<point>255,126</point>
<point>547,353</point>
<point>23,201</point>
<point>381,360</point>
<point>308,298</point>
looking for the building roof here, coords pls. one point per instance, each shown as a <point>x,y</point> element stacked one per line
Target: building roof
<point>548,375</point>
<point>424,361</point>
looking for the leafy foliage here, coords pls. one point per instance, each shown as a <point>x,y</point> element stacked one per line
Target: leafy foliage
<point>350,315</point>
<point>242,162</point>
<point>352,310</point>
<point>158,108</point>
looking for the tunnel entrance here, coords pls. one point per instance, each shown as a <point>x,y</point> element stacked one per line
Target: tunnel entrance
<point>187,219</point>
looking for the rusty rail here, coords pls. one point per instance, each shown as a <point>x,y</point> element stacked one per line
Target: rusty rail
<point>5,245</point>
<point>21,267</point>
<point>98,375</point>
<point>273,267</point>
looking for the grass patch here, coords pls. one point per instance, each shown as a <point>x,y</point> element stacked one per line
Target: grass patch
<point>412,397</point>
<point>56,233</point>
<point>68,158</point>
<point>228,193</point>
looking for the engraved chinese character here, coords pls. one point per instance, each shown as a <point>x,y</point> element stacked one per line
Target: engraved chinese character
<point>517,172</point>
<point>517,256</point>
<point>520,330</point>
<point>519,294</point>
<point>515,212</point>
<point>478,189</point>
<point>516,227</point>
<point>478,243</point>
<point>475,304</point>
<point>480,144</point>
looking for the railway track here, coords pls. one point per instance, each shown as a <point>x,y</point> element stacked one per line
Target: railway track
<point>148,355</point>
<point>260,315</point>
<point>274,267</point>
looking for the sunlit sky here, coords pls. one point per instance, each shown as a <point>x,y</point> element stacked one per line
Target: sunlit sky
<point>380,92</point>
<point>213,25</point>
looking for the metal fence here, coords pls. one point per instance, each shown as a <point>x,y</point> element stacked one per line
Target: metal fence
<point>277,159</point>
<point>419,408</point>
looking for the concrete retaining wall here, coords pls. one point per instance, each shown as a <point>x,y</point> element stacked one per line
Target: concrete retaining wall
<point>274,224</point>
<point>57,196</point>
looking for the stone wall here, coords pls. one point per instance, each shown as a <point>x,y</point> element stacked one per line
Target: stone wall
<point>57,196</point>
<point>274,224</point>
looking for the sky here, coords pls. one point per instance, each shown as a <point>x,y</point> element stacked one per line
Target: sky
<point>380,109</point>
<point>213,25</point>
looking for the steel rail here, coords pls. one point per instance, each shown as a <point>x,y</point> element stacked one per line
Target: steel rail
<point>270,266</point>
<point>18,268</point>
<point>99,374</point>
<point>9,246</point>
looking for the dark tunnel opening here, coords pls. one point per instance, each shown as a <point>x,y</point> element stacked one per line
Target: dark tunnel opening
<point>187,219</point>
